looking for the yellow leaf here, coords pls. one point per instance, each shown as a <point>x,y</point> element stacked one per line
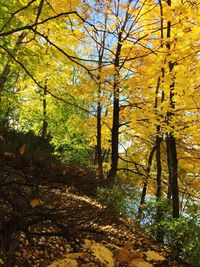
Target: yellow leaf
<point>22,150</point>
<point>154,256</point>
<point>35,203</point>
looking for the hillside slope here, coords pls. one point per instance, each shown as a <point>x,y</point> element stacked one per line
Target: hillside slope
<point>48,212</point>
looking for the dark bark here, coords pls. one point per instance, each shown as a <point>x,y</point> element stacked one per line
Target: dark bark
<point>116,110</point>
<point>99,126</point>
<point>99,148</point>
<point>173,173</point>
<point>99,108</point>
<point>158,158</point>
<point>159,168</point>
<point>159,211</point>
<point>94,156</point>
<point>170,139</point>
<point>169,190</point>
<point>45,123</point>
<point>142,200</point>
<point>145,185</point>
<point>105,156</point>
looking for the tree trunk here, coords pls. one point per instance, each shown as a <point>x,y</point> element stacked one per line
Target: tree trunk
<point>115,125</point>
<point>173,173</point>
<point>159,168</point>
<point>99,148</point>
<point>142,200</point>
<point>45,123</point>
<point>159,212</point>
<point>145,185</point>
<point>170,139</point>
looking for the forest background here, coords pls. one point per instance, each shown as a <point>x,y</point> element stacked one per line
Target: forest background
<point>113,85</point>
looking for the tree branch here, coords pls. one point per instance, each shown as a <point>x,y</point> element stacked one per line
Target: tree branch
<point>38,84</point>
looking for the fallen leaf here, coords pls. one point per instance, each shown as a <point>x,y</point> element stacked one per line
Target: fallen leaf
<point>9,155</point>
<point>154,256</point>
<point>22,150</point>
<point>35,203</point>
<point>128,245</point>
<point>126,256</point>
<point>123,256</point>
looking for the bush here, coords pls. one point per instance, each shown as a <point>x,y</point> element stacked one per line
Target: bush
<point>120,199</point>
<point>182,235</point>
<point>150,209</point>
<point>35,146</point>
<point>113,199</point>
<point>184,238</point>
<point>74,154</point>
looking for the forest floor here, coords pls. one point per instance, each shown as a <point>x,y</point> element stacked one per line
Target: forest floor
<point>65,224</point>
<point>49,217</point>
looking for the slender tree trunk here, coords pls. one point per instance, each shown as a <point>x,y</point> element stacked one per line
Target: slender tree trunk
<point>116,95</point>
<point>95,155</point>
<point>45,123</point>
<point>169,190</point>
<point>115,125</point>
<point>142,200</point>
<point>170,139</point>
<point>145,185</point>
<point>173,173</point>
<point>115,141</point>
<point>99,113</point>
<point>158,154</point>
<point>159,212</point>
<point>159,168</point>
<point>99,133</point>
<point>99,106</point>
